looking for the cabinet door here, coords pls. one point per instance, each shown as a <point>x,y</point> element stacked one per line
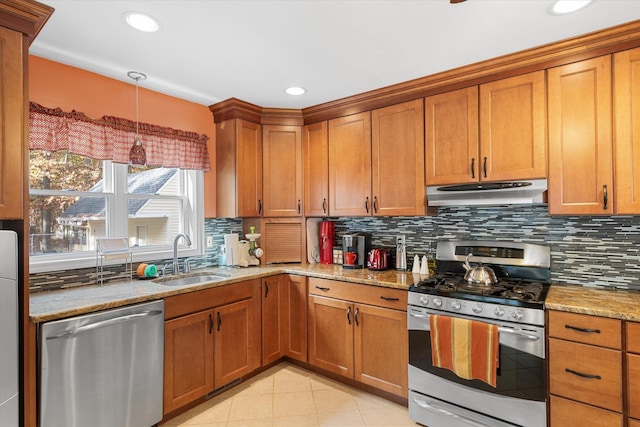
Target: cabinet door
<point>513,128</point>
<point>564,413</point>
<point>633,393</point>
<point>295,320</point>
<point>188,359</point>
<point>331,335</point>
<point>380,348</point>
<point>627,129</point>
<point>451,129</point>
<point>350,165</point>
<point>397,159</point>
<point>12,124</point>
<point>580,138</point>
<point>236,345</point>
<point>282,170</point>
<point>316,169</point>
<point>249,169</point>
<point>273,319</point>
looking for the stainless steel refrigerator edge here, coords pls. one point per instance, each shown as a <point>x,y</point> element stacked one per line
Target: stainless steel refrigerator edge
<point>9,398</point>
<point>104,369</point>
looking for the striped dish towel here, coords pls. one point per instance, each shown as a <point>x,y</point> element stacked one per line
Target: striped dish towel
<point>466,347</point>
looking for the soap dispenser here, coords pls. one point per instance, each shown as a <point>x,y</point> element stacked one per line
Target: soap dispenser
<point>401,254</point>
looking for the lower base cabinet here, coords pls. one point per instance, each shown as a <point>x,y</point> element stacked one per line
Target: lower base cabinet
<point>359,332</point>
<point>212,338</point>
<point>564,412</point>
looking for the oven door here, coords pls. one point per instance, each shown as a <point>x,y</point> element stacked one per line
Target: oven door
<point>519,395</point>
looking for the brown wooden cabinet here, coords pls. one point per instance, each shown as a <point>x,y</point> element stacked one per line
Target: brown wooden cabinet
<point>627,136</point>
<point>397,159</point>
<point>188,359</point>
<point>295,318</point>
<point>12,123</point>
<point>633,371</point>
<point>273,318</point>
<point>316,169</point>
<point>359,332</point>
<point>580,138</point>
<point>350,165</point>
<point>282,170</point>
<point>238,168</point>
<point>585,370</point>
<point>493,132</point>
<point>212,338</point>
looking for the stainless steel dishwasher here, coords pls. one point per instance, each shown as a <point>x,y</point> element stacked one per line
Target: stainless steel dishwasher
<point>104,369</point>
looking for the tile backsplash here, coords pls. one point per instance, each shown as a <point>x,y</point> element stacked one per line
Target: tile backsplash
<point>598,251</point>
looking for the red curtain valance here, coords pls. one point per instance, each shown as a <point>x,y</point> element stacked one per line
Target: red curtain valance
<point>111,138</point>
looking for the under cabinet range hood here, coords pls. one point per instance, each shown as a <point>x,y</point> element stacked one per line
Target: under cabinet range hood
<point>488,193</point>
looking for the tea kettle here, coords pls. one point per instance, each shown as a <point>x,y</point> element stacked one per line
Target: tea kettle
<point>479,275</point>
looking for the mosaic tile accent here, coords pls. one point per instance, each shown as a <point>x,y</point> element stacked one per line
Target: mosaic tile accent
<point>585,250</point>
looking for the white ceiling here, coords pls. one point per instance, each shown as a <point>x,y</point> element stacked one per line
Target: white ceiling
<point>210,50</point>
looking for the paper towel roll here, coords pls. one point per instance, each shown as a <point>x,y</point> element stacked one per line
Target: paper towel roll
<point>231,243</point>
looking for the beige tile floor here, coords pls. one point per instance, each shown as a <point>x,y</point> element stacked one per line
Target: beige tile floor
<point>287,395</point>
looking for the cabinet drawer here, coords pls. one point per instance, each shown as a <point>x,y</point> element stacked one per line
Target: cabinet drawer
<point>633,337</point>
<point>634,423</point>
<point>633,385</point>
<point>569,360</point>
<point>563,413</point>
<point>586,329</point>
<point>365,294</point>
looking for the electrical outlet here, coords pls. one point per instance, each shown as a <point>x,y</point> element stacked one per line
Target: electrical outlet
<point>209,242</point>
<point>401,240</point>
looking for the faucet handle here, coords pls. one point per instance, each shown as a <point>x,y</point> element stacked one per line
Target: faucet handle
<point>163,270</point>
<point>187,265</point>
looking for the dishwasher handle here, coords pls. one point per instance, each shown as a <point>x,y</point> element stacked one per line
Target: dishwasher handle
<point>104,323</point>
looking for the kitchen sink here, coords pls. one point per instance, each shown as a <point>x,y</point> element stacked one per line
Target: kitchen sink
<point>191,279</point>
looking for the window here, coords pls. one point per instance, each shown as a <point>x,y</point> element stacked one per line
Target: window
<point>75,200</point>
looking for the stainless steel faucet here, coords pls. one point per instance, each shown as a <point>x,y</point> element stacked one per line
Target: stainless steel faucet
<point>176,264</point>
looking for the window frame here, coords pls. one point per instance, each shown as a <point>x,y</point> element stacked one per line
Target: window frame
<point>116,199</point>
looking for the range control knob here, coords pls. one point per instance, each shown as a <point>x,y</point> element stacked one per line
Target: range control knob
<point>437,302</point>
<point>424,300</point>
<point>499,311</point>
<point>517,314</point>
<point>477,308</point>
<point>455,305</point>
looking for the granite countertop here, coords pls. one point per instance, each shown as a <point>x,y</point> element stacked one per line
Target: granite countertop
<point>613,303</point>
<point>52,305</point>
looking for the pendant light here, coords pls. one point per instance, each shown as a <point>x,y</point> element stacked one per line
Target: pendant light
<point>137,155</point>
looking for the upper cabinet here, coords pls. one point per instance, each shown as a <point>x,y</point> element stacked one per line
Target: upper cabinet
<point>282,170</point>
<point>627,131</point>
<point>239,168</point>
<point>316,169</point>
<point>397,159</point>
<point>350,165</point>
<point>12,124</point>
<point>580,138</point>
<point>493,132</point>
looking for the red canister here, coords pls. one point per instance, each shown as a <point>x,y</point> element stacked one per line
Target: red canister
<point>327,230</point>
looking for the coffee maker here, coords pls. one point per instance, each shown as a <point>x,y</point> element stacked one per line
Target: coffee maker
<point>355,247</point>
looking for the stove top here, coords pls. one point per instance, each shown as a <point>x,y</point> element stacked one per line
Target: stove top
<point>516,292</point>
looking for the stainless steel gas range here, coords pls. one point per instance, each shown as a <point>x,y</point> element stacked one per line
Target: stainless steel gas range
<point>509,293</point>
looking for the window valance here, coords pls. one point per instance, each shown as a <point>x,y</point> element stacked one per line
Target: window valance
<point>111,138</point>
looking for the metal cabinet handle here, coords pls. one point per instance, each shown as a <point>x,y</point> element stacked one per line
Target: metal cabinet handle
<point>575,328</point>
<point>259,207</point>
<point>219,321</point>
<point>349,314</point>
<point>605,197</point>
<point>210,323</point>
<point>266,288</point>
<point>473,167</point>
<point>322,288</point>
<point>355,316</point>
<point>324,205</point>
<point>580,374</point>
<point>366,204</point>
<point>484,167</point>
<point>389,298</point>
<point>299,207</point>
<point>375,204</point>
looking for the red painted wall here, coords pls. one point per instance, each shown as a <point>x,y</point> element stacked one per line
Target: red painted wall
<point>53,85</point>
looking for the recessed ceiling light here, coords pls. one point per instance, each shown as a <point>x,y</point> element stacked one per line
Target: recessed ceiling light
<point>562,7</point>
<point>295,90</point>
<point>141,22</point>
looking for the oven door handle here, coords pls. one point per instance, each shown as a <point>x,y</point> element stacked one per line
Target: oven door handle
<point>443,411</point>
<point>518,333</point>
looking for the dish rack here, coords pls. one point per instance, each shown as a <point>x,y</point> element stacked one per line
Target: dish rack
<point>110,251</point>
